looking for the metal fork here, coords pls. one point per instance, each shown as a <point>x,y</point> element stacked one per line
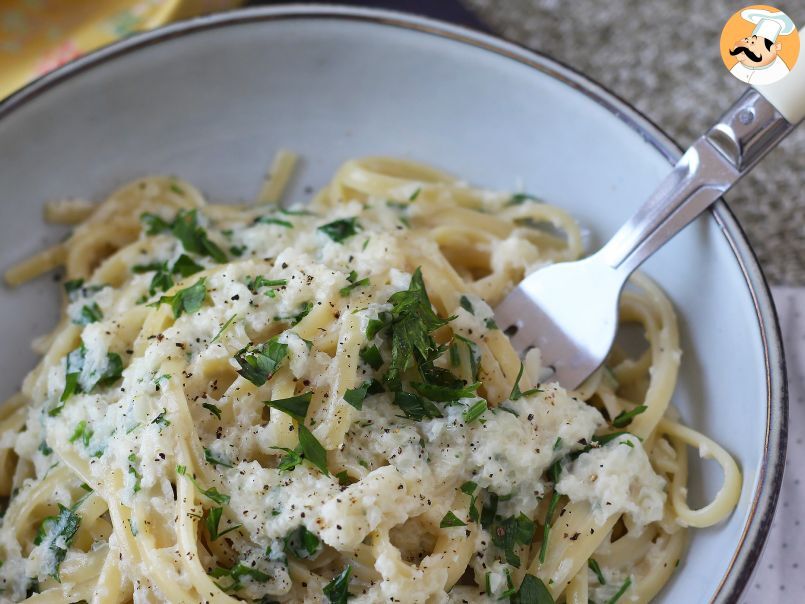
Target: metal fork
<point>570,310</point>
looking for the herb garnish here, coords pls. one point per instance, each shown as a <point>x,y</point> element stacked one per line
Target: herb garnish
<point>90,313</point>
<point>355,396</point>
<point>354,283</point>
<point>302,543</point>
<point>412,321</point>
<point>214,460</point>
<point>450,520</point>
<point>371,355</point>
<point>277,221</point>
<point>624,418</point>
<point>516,394</point>
<point>597,571</point>
<point>621,591</point>
<point>337,590</point>
<point>554,472</point>
<point>475,411</point>
<point>211,493</point>
<point>188,300</point>
<point>236,573</point>
<point>338,230</point>
<point>75,382</point>
<point>194,238</point>
<point>58,533</point>
<point>416,407</point>
<point>532,591</point>
<point>213,519</point>
<point>259,363</point>
<point>311,449</point>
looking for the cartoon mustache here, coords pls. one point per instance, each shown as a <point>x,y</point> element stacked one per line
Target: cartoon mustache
<point>743,49</point>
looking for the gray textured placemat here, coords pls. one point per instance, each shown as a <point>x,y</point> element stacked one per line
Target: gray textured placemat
<point>663,57</point>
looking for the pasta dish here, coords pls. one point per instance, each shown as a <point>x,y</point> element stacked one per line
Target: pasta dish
<point>313,403</point>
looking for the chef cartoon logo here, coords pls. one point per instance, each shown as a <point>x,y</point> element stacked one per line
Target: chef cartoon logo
<point>759,44</point>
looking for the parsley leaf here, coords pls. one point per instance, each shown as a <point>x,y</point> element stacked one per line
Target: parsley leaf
<point>451,520</point>
<point>532,591</point>
<point>188,300</point>
<point>338,230</point>
<point>81,431</point>
<point>75,382</point>
<point>621,591</point>
<point>224,327</point>
<point>211,459</point>
<point>270,220</point>
<point>214,409</point>
<point>194,238</point>
<point>212,522</point>
<point>290,460</point>
<point>355,396</point>
<point>236,573</point>
<point>624,418</point>
<point>371,356</point>
<point>302,543</point>
<point>211,493</point>
<point>186,266</point>
<point>58,533</point>
<point>72,286</point>
<point>90,313</point>
<point>295,406</point>
<point>520,198</point>
<point>415,407</point>
<point>516,394</point>
<point>154,224</point>
<point>354,283</point>
<point>475,411</point>
<point>465,303</point>
<point>134,472</point>
<point>337,590</point>
<point>507,533</point>
<point>259,363</point>
<point>597,571</point>
<point>312,449</point>
<point>412,321</point>
<point>445,394</point>
<point>254,284</point>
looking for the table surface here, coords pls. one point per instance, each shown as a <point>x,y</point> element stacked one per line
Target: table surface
<point>663,58</point>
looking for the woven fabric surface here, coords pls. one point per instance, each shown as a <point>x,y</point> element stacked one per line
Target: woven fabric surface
<point>663,57</point>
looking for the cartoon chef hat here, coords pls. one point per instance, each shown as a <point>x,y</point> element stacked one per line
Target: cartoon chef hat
<point>769,25</point>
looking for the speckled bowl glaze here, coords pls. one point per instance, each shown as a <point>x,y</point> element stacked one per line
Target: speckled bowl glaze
<point>213,98</point>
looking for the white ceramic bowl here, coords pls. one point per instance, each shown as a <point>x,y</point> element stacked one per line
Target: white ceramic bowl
<point>212,100</point>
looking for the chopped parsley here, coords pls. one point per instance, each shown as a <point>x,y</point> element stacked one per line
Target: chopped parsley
<point>295,406</point>
<point>516,394</point>
<point>474,411</point>
<point>161,420</point>
<point>509,532</point>
<point>83,433</point>
<point>450,520</point>
<point>520,198</point>
<point>277,221</point>
<point>256,283</point>
<point>354,283</point>
<point>214,409</point>
<point>134,472</point>
<point>532,591</point>
<point>309,447</point>
<point>90,313</point>
<point>194,238</point>
<point>211,493</point>
<point>412,321</point>
<point>189,299</point>
<point>76,382</point>
<point>465,303</point>
<point>154,224</point>
<point>443,394</point>
<point>212,521</point>
<point>302,543</point>
<point>355,396</point>
<point>186,266</point>
<point>624,418</point>
<point>339,230</point>
<point>416,407</point>
<point>290,460</point>
<point>337,590</point>
<point>58,533</point>
<point>621,591</point>
<point>371,356</point>
<point>72,286</point>
<point>554,471</point>
<point>593,565</point>
<point>259,363</point>
<point>236,573</point>
<point>224,327</point>
<point>214,460</point>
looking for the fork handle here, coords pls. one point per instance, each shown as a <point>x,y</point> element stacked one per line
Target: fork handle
<point>712,165</point>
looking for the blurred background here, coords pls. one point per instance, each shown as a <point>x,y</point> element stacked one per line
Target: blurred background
<point>660,56</point>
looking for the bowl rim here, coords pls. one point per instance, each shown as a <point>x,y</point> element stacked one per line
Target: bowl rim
<point>761,510</point>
